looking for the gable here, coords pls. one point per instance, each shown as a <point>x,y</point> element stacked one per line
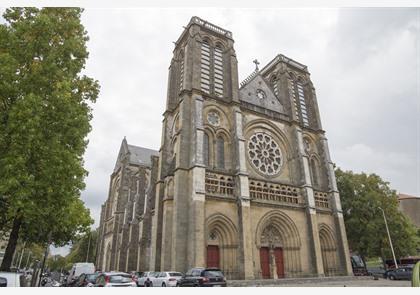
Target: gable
<point>249,93</point>
<point>121,154</point>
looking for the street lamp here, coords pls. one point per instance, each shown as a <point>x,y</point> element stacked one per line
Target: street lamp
<point>389,237</point>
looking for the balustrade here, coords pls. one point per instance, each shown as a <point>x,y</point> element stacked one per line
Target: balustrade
<point>261,190</point>
<point>321,200</point>
<point>219,184</point>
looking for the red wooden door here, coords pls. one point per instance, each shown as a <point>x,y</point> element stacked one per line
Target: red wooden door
<point>265,262</point>
<point>213,256</point>
<point>278,254</point>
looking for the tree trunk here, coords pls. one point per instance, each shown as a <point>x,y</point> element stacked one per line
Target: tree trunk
<point>11,245</point>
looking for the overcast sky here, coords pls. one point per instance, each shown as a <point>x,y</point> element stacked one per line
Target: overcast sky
<point>364,63</point>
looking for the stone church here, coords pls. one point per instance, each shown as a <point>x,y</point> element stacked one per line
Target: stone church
<point>243,179</point>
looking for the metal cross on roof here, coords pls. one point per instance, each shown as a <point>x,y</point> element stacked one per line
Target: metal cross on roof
<point>256,62</point>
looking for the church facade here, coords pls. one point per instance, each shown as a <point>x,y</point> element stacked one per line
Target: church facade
<point>244,179</point>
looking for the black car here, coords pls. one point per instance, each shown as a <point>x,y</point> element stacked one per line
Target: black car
<point>203,277</point>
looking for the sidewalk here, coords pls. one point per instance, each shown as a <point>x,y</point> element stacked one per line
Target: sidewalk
<point>343,281</point>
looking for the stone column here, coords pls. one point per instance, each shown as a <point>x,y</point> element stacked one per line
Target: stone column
<point>246,259</point>
<point>197,240</point>
<point>343,247</point>
<point>156,239</point>
<point>315,245</point>
<point>273,264</point>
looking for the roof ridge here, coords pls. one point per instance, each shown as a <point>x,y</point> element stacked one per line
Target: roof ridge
<point>249,78</point>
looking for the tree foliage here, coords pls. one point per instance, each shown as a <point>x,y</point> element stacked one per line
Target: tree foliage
<point>79,249</point>
<point>361,196</point>
<point>57,263</point>
<point>45,117</point>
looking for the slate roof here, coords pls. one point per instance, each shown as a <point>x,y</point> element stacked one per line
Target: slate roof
<point>141,155</point>
<point>137,155</point>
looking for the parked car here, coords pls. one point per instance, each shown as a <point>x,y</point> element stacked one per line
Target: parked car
<point>77,269</point>
<point>12,279</point>
<point>115,279</point>
<point>136,274</point>
<point>166,279</point>
<point>87,280</point>
<point>403,273</point>
<point>376,271</point>
<point>203,277</point>
<point>146,275</point>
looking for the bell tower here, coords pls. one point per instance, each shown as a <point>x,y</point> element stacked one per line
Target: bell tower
<point>203,67</point>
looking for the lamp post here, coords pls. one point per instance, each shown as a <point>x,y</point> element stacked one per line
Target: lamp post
<point>389,237</point>
<point>21,255</point>
<point>87,254</point>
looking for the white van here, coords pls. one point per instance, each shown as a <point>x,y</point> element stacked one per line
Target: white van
<point>78,269</point>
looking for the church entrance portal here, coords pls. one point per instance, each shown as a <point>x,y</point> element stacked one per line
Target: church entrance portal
<point>213,256</point>
<point>265,262</point>
<point>271,262</point>
<point>278,254</point>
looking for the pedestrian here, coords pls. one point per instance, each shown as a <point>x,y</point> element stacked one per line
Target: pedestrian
<point>147,283</point>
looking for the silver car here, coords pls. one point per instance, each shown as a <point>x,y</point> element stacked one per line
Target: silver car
<point>166,279</point>
<point>115,279</point>
<point>12,279</point>
<point>146,275</point>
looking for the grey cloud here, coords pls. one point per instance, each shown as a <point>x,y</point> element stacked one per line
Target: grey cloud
<point>365,32</point>
<point>356,58</point>
<point>362,63</point>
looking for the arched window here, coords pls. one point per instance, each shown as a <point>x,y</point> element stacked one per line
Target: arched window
<point>181,71</point>
<point>220,147</point>
<point>297,93</point>
<point>314,172</point>
<point>302,104</point>
<point>205,66</point>
<point>206,152</point>
<point>274,85</point>
<point>212,69</point>
<point>218,71</point>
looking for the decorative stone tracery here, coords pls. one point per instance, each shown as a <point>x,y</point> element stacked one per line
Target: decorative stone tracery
<point>264,153</point>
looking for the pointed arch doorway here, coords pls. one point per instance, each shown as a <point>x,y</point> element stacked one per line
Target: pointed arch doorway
<point>213,256</point>
<point>271,254</point>
<point>278,242</point>
<point>222,245</point>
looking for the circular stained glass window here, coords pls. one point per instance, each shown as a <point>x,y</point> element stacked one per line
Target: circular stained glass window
<point>264,153</point>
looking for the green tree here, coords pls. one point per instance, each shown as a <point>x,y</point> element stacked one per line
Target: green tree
<point>361,196</point>
<point>56,263</point>
<point>79,249</point>
<point>45,117</point>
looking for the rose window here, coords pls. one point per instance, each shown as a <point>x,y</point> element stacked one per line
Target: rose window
<point>264,153</point>
<point>213,118</point>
